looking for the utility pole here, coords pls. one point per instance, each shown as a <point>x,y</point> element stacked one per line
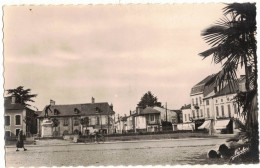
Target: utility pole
<point>166,111</point>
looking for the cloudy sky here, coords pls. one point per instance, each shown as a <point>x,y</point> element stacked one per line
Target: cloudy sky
<point>114,53</point>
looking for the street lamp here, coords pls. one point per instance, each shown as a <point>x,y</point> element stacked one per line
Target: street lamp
<point>98,111</point>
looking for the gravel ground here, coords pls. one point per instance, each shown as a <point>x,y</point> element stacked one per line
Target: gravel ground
<point>164,152</point>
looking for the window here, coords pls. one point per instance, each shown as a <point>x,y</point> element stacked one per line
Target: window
<point>193,113</point>
<point>216,100</point>
<point>201,113</point>
<point>7,134</point>
<point>18,120</point>
<point>7,120</point>
<point>196,100</point>
<point>235,108</point>
<point>208,112</point>
<point>152,117</point>
<point>200,101</point>
<point>217,111</point>
<point>198,115</point>
<point>97,121</point>
<point>228,99</point>
<point>221,100</point>
<point>222,110</point>
<point>66,122</point>
<point>189,117</point>
<point>185,117</point>
<point>76,122</point>
<point>192,101</point>
<point>229,110</point>
<point>17,132</point>
<point>207,102</point>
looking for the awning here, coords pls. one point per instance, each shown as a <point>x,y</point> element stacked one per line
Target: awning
<point>221,124</point>
<point>205,125</point>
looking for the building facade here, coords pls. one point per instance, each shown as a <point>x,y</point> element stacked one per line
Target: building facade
<point>76,119</point>
<point>18,117</point>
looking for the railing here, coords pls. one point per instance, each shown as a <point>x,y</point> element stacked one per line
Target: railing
<point>153,122</point>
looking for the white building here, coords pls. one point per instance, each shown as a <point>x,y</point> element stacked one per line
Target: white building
<point>218,107</point>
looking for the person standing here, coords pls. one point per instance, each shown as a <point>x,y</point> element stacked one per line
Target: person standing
<point>20,141</point>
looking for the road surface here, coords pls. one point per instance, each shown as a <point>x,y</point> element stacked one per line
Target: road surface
<point>163,152</point>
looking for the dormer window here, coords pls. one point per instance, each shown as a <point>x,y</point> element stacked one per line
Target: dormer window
<point>76,111</point>
<point>56,112</point>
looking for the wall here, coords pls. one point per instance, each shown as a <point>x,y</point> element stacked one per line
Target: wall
<point>188,114</point>
<point>200,104</point>
<point>224,101</point>
<point>12,128</point>
<point>140,122</point>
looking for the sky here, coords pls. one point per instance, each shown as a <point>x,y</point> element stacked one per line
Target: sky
<point>114,53</point>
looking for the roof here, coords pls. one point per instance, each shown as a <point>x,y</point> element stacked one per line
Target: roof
<point>84,109</point>
<point>227,90</point>
<point>188,106</point>
<point>9,106</point>
<point>124,118</point>
<point>199,87</point>
<point>149,110</point>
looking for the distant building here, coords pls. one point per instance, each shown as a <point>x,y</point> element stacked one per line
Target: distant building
<point>147,120</point>
<point>167,114</point>
<point>70,117</point>
<point>186,113</point>
<point>18,117</point>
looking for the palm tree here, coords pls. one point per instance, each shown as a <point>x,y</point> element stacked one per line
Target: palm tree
<point>233,44</point>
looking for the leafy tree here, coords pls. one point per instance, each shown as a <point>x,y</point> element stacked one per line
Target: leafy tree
<point>149,100</point>
<point>233,44</point>
<point>22,95</point>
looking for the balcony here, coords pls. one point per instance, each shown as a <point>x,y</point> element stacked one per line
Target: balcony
<point>155,122</point>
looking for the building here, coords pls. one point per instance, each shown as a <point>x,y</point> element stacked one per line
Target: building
<point>218,108</point>
<point>148,120</point>
<point>197,104</point>
<point>76,119</point>
<point>18,117</point>
<point>186,113</point>
<point>167,114</point>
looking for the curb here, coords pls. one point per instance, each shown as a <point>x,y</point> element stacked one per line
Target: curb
<point>115,142</point>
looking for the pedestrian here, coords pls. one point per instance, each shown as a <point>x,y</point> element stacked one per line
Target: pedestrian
<point>20,141</point>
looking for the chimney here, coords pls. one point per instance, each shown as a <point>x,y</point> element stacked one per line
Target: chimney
<point>13,100</point>
<point>130,112</point>
<point>93,100</point>
<point>52,102</point>
<point>138,109</point>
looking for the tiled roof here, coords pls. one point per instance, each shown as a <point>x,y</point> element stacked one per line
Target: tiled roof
<point>199,87</point>
<point>149,110</point>
<point>227,90</point>
<point>9,106</point>
<point>84,109</point>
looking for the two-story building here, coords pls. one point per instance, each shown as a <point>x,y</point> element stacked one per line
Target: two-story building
<point>18,117</point>
<point>76,118</point>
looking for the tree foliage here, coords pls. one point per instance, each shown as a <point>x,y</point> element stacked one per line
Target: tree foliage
<point>233,43</point>
<point>22,95</point>
<point>149,100</point>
